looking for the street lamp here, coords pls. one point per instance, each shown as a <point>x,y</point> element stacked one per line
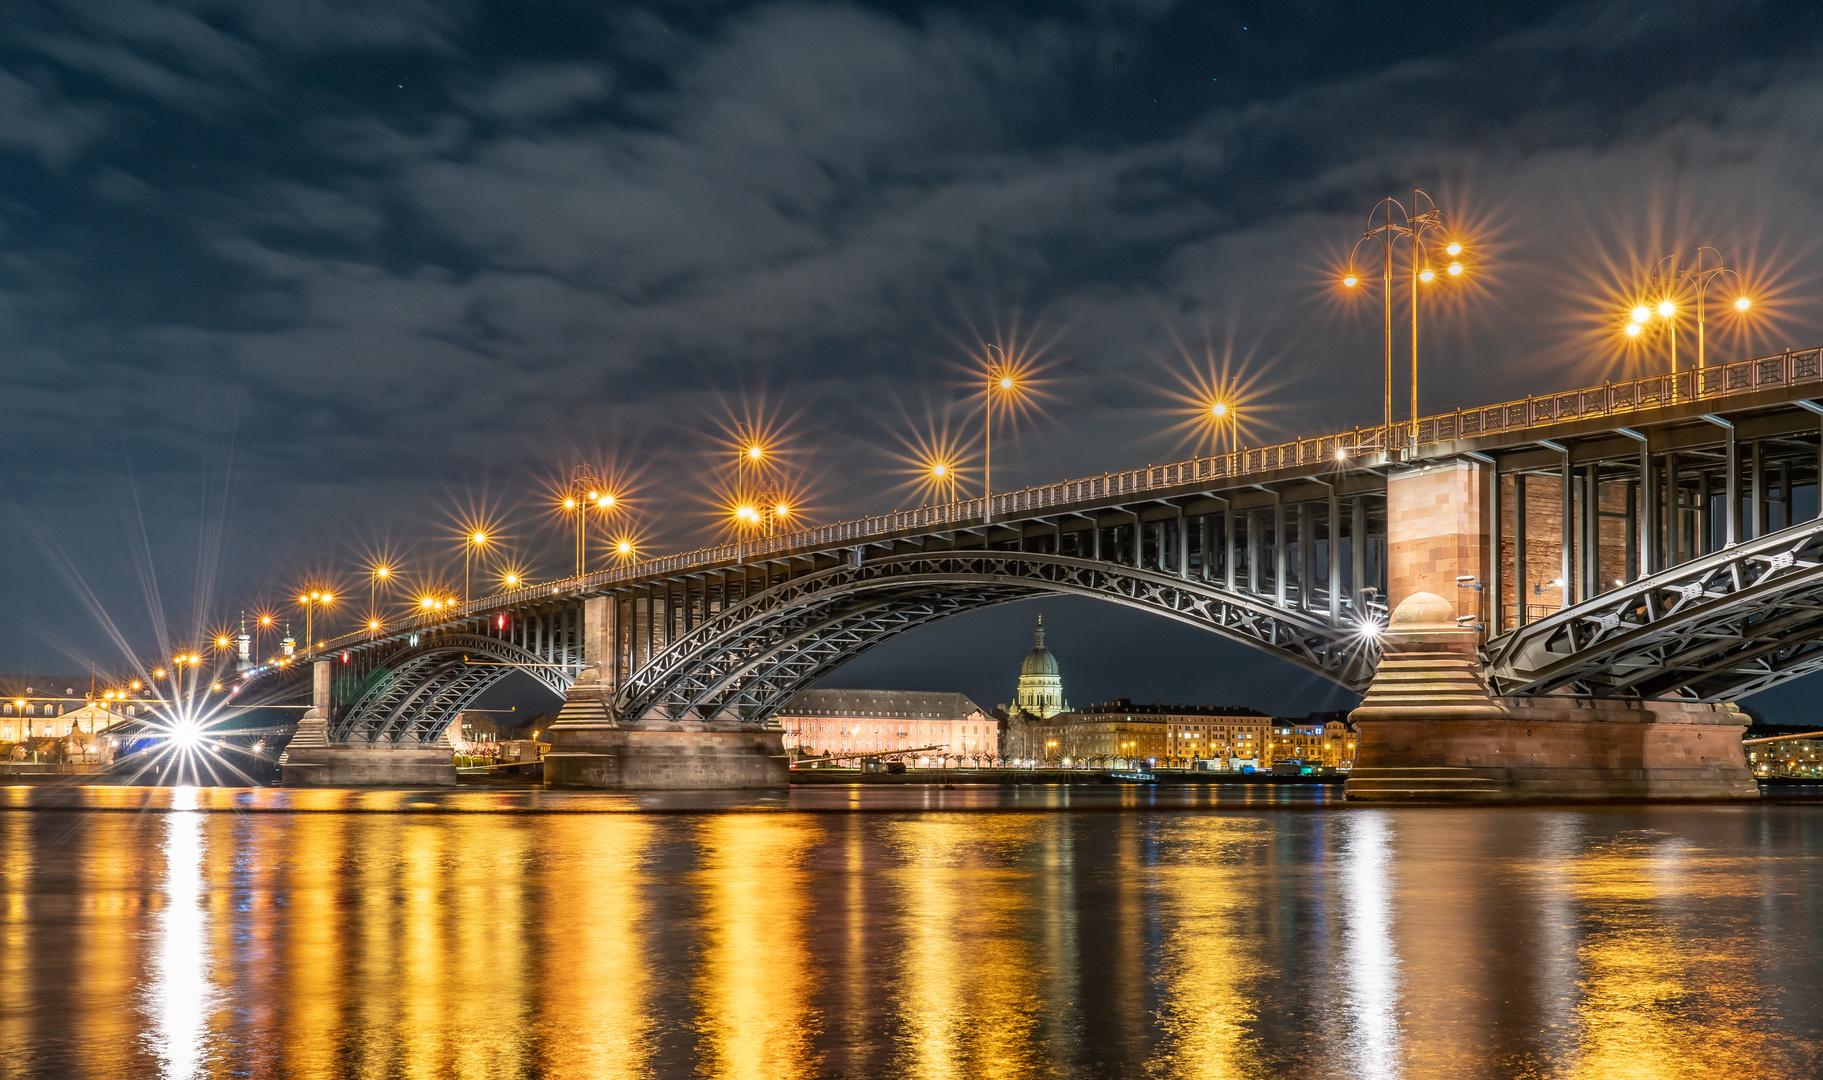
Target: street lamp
<point>375,574</point>
<point>1412,225</point>
<point>469,544</point>
<point>1702,277</point>
<point>1002,379</point>
<point>311,601</point>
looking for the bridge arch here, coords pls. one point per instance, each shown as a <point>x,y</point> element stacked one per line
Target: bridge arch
<point>413,695</point>
<point>746,661</point>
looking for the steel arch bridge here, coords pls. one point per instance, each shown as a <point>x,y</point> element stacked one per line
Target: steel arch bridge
<point>751,658</point>
<point>1651,568</point>
<point>412,694</point>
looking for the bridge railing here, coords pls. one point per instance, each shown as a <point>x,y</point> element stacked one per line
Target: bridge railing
<point>1790,368</point>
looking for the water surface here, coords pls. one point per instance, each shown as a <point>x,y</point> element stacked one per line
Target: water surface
<point>1037,932</point>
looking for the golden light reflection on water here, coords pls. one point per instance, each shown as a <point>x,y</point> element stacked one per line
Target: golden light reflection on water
<point>927,945</point>
<point>968,962</point>
<point>1655,1001</point>
<point>593,944</point>
<point>1214,949</point>
<point>756,979</point>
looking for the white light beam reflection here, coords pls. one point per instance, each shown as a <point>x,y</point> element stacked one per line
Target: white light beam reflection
<point>1371,986</point>
<point>180,997</point>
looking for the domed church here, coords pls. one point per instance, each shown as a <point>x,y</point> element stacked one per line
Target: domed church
<point>1040,690</point>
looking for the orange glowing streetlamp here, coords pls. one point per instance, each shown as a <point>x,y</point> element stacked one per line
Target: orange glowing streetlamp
<point>1002,380</point>
<point>1701,277</point>
<point>310,601</point>
<point>1412,225</point>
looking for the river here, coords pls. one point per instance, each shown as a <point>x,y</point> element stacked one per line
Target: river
<point>901,932</point>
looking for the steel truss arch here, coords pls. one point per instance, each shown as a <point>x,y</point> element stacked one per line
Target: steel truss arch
<point>1716,628</point>
<point>430,684</point>
<point>747,660</point>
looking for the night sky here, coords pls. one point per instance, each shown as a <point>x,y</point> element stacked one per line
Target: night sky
<point>288,285</point>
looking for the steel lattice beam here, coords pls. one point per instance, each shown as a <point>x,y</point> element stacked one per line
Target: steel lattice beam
<point>1716,628</point>
<point>751,657</point>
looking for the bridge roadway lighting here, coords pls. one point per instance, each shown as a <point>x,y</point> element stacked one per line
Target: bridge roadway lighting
<point>1701,277</point>
<point>310,602</point>
<point>473,541</point>
<point>1412,225</point>
<point>1002,379</point>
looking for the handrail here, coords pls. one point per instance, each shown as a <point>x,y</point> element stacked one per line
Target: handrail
<point>1788,368</point>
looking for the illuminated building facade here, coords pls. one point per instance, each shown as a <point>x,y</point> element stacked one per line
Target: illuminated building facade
<point>930,728</point>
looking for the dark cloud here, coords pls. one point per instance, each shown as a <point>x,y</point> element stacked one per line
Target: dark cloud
<point>435,254</point>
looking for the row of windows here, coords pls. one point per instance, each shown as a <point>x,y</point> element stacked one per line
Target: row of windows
<point>900,729</point>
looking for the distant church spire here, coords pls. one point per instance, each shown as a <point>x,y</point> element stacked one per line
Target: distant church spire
<point>1038,638</point>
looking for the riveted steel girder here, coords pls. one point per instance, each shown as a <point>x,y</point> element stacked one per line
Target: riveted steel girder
<point>1716,628</point>
<point>747,660</point>
<point>430,685</point>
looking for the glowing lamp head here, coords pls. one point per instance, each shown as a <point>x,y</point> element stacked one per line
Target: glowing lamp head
<point>221,642</point>
<point>382,571</point>
<point>754,453</point>
<point>265,620</point>
<point>782,510</point>
<point>158,673</point>
<point>1427,274</point>
<point>1455,269</point>
<point>1219,409</point>
<point>512,579</point>
<point>569,504</point>
<point>427,602</point>
<point>1666,309</point>
<point>939,470</point>
<point>1350,281</point>
<point>1006,382</point>
<point>135,684</point>
<point>1341,454</point>
<point>1641,313</point>
<point>1632,329</point>
<point>1454,248</point>
<point>373,624</point>
<point>479,538</point>
<point>326,598</point>
<point>1742,304</point>
<point>747,513</point>
<point>624,548</point>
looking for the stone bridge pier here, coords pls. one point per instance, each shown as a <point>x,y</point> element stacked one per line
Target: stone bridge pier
<point>1429,729</point>
<point>591,747</point>
<point>312,760</point>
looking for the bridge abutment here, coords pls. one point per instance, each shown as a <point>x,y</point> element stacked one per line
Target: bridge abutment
<point>1428,729</point>
<point>592,748</point>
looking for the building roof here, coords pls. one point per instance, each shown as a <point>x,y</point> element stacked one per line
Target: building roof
<point>887,704</point>
<point>44,686</point>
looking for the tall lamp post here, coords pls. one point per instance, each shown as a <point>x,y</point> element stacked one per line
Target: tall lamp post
<point>1002,379</point>
<point>1412,225</point>
<point>311,601</point>
<point>474,540</point>
<point>1701,277</point>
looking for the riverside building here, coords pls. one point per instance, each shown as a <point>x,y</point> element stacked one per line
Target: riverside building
<point>923,728</point>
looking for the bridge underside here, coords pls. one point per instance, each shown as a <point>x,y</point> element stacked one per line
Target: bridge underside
<point>746,662</point>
